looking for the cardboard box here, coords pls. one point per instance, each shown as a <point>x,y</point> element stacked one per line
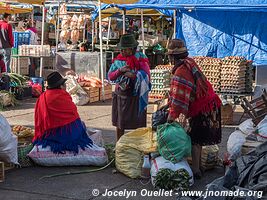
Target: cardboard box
<point>227,114</point>
<point>20,66</point>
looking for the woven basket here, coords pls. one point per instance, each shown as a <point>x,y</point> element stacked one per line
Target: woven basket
<point>23,150</point>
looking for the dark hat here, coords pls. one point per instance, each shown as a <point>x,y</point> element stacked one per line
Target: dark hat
<point>127,41</point>
<point>55,80</point>
<point>176,46</point>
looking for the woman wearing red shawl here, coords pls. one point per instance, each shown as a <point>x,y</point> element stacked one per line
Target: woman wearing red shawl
<point>57,122</point>
<point>125,72</point>
<point>192,96</point>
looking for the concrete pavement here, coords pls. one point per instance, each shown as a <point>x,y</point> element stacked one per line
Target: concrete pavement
<point>25,183</point>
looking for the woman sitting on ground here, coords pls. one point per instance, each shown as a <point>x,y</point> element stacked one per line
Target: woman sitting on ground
<point>57,122</point>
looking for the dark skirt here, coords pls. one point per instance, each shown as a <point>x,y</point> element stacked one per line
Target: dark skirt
<point>125,112</point>
<point>205,129</point>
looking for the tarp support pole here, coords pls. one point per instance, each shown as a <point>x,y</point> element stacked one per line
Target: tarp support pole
<point>143,31</point>
<point>93,34</point>
<point>174,23</point>
<point>42,41</point>
<point>124,20</point>
<point>109,25</point>
<point>57,27</point>
<point>101,50</point>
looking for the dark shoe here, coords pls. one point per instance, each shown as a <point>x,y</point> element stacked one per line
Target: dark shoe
<point>197,175</point>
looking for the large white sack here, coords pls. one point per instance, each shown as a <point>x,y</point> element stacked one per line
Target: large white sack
<point>235,143</point>
<point>161,163</point>
<point>262,130</point>
<point>247,127</point>
<point>8,143</point>
<point>94,156</point>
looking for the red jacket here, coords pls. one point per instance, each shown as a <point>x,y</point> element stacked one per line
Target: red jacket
<point>6,35</point>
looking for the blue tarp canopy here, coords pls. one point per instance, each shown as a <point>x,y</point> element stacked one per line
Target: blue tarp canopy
<point>218,28</point>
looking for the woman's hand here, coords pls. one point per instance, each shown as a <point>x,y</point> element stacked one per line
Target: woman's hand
<point>129,74</point>
<point>125,69</point>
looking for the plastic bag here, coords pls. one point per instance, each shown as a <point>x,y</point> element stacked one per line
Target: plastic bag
<point>159,117</point>
<point>161,163</point>
<point>262,130</point>
<point>96,136</point>
<point>78,95</point>
<point>235,143</point>
<point>247,127</point>
<point>95,156</point>
<point>8,143</point>
<point>130,149</point>
<point>173,142</point>
<point>209,156</point>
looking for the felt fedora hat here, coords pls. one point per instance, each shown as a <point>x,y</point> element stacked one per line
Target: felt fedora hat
<point>127,41</point>
<point>176,46</point>
<point>55,80</point>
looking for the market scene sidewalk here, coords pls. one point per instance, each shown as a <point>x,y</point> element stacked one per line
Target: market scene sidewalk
<point>26,183</point>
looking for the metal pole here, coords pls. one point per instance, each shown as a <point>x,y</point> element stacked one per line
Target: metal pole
<point>109,24</point>
<point>101,50</point>
<point>57,27</point>
<point>93,33</point>
<point>142,27</point>
<point>174,23</point>
<point>42,41</point>
<point>124,21</point>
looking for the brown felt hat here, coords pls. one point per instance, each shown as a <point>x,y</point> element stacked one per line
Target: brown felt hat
<point>176,46</point>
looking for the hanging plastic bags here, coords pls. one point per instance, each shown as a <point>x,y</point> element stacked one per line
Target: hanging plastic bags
<point>130,150</point>
<point>173,142</point>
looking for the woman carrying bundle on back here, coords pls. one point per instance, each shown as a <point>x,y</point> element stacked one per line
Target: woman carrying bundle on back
<point>192,96</point>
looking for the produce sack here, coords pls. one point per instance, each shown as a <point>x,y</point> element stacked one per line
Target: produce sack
<point>6,99</point>
<point>93,156</point>
<point>235,143</point>
<point>173,142</point>
<point>247,127</point>
<point>209,157</point>
<point>130,150</point>
<point>262,130</point>
<point>8,143</point>
<point>161,163</point>
<point>159,117</point>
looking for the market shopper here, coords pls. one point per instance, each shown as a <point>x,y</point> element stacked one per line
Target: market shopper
<point>192,97</point>
<point>57,122</point>
<point>6,39</point>
<point>131,73</point>
<point>33,41</point>
<point>4,79</point>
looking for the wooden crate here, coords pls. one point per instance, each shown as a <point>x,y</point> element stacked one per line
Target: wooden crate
<point>93,94</point>
<point>20,66</point>
<point>108,93</point>
<point>2,172</point>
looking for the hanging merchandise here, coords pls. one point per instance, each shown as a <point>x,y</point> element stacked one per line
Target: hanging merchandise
<point>81,21</point>
<point>63,9</point>
<point>174,144</point>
